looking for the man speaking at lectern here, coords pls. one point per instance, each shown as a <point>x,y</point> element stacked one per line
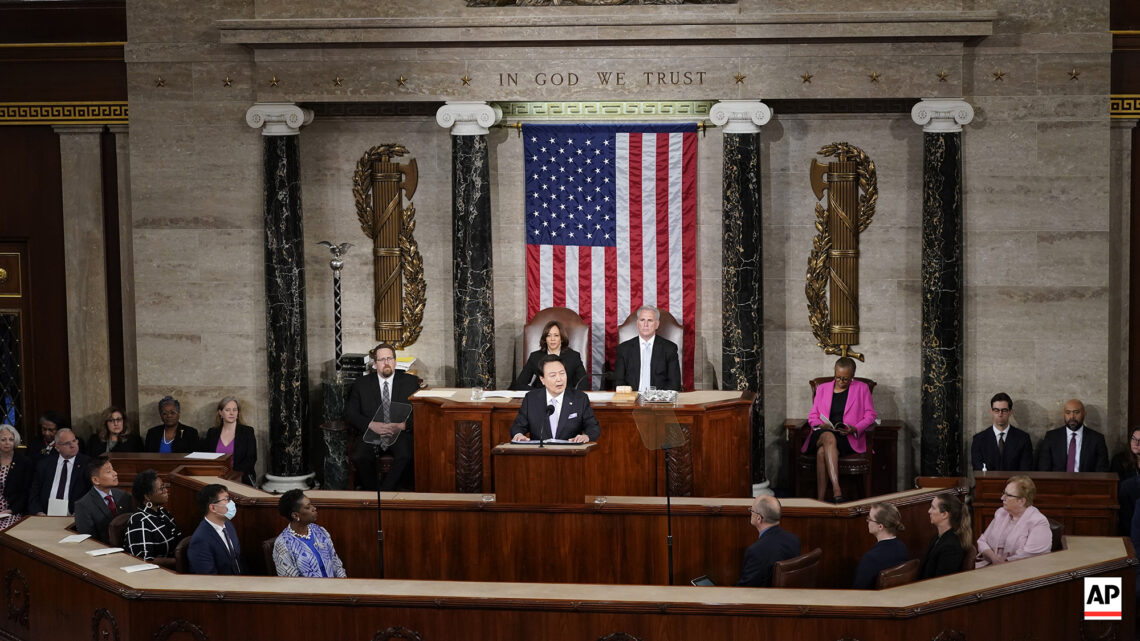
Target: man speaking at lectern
<point>555,412</point>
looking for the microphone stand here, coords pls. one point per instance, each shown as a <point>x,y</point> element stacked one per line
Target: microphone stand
<point>668,514</point>
<point>549,413</point>
<point>379,511</point>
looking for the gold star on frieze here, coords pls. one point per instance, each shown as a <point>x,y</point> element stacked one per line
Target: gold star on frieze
<point>337,81</point>
<point>466,80</point>
<point>740,78</point>
<point>874,76</point>
<point>1074,74</point>
<point>806,78</point>
<point>227,81</point>
<point>159,82</point>
<point>999,76</point>
<point>402,81</point>
<point>942,76</point>
<point>274,82</point>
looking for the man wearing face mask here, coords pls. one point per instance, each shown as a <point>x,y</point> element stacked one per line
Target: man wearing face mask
<point>369,394</point>
<point>214,547</point>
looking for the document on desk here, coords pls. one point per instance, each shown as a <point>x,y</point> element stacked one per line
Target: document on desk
<point>104,551</point>
<point>504,393</point>
<point>549,441</point>
<point>75,538</point>
<point>431,393</point>
<point>205,456</point>
<point>139,567</point>
<point>600,397</point>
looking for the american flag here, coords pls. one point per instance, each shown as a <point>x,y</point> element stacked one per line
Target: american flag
<point>611,224</point>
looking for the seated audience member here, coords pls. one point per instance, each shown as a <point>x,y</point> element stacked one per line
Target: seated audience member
<point>172,437</point>
<point>773,544</point>
<point>50,421</point>
<point>1018,530</point>
<point>1001,446</point>
<point>1126,464</point>
<point>151,533</point>
<point>114,434</point>
<point>847,403</point>
<point>661,370</point>
<point>15,477</point>
<point>951,520</point>
<point>214,547</point>
<point>554,342</point>
<point>1136,540</point>
<point>369,402</point>
<point>884,523</point>
<point>304,548</point>
<point>230,436</point>
<point>1128,493</point>
<point>1075,447</point>
<point>555,412</point>
<point>103,502</point>
<point>60,478</point>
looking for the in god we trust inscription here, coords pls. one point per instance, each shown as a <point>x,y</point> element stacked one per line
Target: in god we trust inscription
<point>610,78</point>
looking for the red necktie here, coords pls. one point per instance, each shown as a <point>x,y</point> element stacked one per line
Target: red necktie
<point>1071,464</point>
<point>111,504</point>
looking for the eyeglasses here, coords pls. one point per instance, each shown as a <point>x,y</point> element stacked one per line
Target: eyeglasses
<point>1000,410</point>
<point>843,379</point>
<point>1010,496</point>
<point>225,500</point>
<point>1134,440</point>
<point>871,520</point>
<point>115,420</point>
<point>165,487</point>
<point>755,512</point>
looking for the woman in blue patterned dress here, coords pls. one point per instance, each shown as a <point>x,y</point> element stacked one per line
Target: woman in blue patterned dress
<point>304,548</point>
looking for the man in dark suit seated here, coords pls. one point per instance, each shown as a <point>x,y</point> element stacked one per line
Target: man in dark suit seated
<point>369,394</point>
<point>1002,446</point>
<point>214,547</point>
<point>60,478</point>
<point>1075,447</point>
<point>662,370</point>
<point>555,411</point>
<point>773,544</point>
<point>103,502</point>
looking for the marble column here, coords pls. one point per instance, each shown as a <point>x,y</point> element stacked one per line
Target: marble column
<point>285,336</point>
<point>742,289</point>
<point>127,271</point>
<point>942,284</point>
<point>85,270</point>
<point>472,271</point>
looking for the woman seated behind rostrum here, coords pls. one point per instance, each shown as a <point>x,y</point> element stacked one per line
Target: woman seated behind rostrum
<point>951,519</point>
<point>1018,530</point>
<point>884,523</point>
<point>304,548</point>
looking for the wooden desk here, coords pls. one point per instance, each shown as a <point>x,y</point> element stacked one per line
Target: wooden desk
<point>55,591</point>
<point>545,475</point>
<point>1084,502</point>
<point>128,464</point>
<point>454,438</point>
<point>884,470</point>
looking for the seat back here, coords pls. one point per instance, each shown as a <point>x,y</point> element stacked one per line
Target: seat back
<point>969,560</point>
<point>1057,529</point>
<point>577,332</point>
<point>182,556</point>
<point>669,329</point>
<point>900,574</point>
<point>799,572</point>
<point>117,529</point>
<point>267,556</point>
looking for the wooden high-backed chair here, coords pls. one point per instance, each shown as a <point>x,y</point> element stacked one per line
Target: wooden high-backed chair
<point>577,333</point>
<point>857,464</point>
<point>901,574</point>
<point>798,572</point>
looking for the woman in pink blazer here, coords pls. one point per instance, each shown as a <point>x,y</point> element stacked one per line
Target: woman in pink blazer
<point>847,403</point>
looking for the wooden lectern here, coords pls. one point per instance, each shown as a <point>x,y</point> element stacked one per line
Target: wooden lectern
<point>526,473</point>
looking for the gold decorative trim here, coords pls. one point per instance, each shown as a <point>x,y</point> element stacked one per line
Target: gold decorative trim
<point>606,109</point>
<point>64,113</point>
<point>1124,105</point>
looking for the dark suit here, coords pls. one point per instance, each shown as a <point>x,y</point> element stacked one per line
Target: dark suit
<point>44,476</point>
<point>575,372</point>
<point>1016,456</point>
<point>574,416</point>
<point>208,555</point>
<point>97,446</point>
<point>885,554</point>
<point>1053,456</point>
<point>18,484</point>
<point>664,368</point>
<point>185,439</point>
<point>1128,493</point>
<point>92,516</point>
<point>944,556</point>
<point>774,545</point>
<point>363,402</point>
<point>245,450</point>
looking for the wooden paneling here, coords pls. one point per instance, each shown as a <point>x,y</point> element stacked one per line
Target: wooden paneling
<point>129,464</point>
<point>1084,502</point>
<point>884,462</point>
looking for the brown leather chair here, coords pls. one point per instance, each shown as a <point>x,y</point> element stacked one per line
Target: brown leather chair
<point>799,572</point>
<point>970,558</point>
<point>669,329</point>
<point>267,556</point>
<point>856,464</point>
<point>577,332</point>
<point>900,574</point>
<point>1057,529</point>
<point>117,529</point>
<point>182,556</point>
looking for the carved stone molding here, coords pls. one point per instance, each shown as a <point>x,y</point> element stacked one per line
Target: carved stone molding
<point>468,118</point>
<point>468,456</point>
<point>167,631</point>
<point>681,465</point>
<point>740,116</point>
<point>940,116</point>
<point>278,118</point>
<point>104,627</point>
<point>397,632</point>
<point>19,599</point>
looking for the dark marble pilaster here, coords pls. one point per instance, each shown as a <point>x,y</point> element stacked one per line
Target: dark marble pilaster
<point>943,336</point>
<point>742,291</point>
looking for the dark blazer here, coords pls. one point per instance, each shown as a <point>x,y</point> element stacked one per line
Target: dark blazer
<point>1053,454</point>
<point>1016,457</point>
<point>245,450</point>
<point>19,484</point>
<point>92,516</point>
<point>97,446</point>
<point>574,416</point>
<point>885,554</point>
<point>44,475</point>
<point>208,555</point>
<point>575,372</point>
<point>664,368</point>
<point>1127,493</point>
<point>364,398</point>
<point>944,556</point>
<point>775,544</point>
<point>185,440</point>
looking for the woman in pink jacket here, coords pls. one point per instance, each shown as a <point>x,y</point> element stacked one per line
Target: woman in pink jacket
<point>847,404</point>
<point>1018,530</point>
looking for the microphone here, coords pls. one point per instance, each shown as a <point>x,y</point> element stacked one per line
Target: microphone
<point>549,413</point>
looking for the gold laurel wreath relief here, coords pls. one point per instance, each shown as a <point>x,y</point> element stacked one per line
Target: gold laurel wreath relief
<point>821,271</point>
<point>404,330</point>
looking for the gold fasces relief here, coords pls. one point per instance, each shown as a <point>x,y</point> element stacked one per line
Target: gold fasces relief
<point>834,257</point>
<point>378,187</point>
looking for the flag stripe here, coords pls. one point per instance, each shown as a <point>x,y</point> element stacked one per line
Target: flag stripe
<point>689,251</point>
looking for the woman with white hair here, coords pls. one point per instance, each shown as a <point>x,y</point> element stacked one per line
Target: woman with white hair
<point>15,477</point>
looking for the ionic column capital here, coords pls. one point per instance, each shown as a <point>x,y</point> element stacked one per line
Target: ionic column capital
<point>942,115</point>
<point>278,118</point>
<point>468,117</point>
<point>741,116</point>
